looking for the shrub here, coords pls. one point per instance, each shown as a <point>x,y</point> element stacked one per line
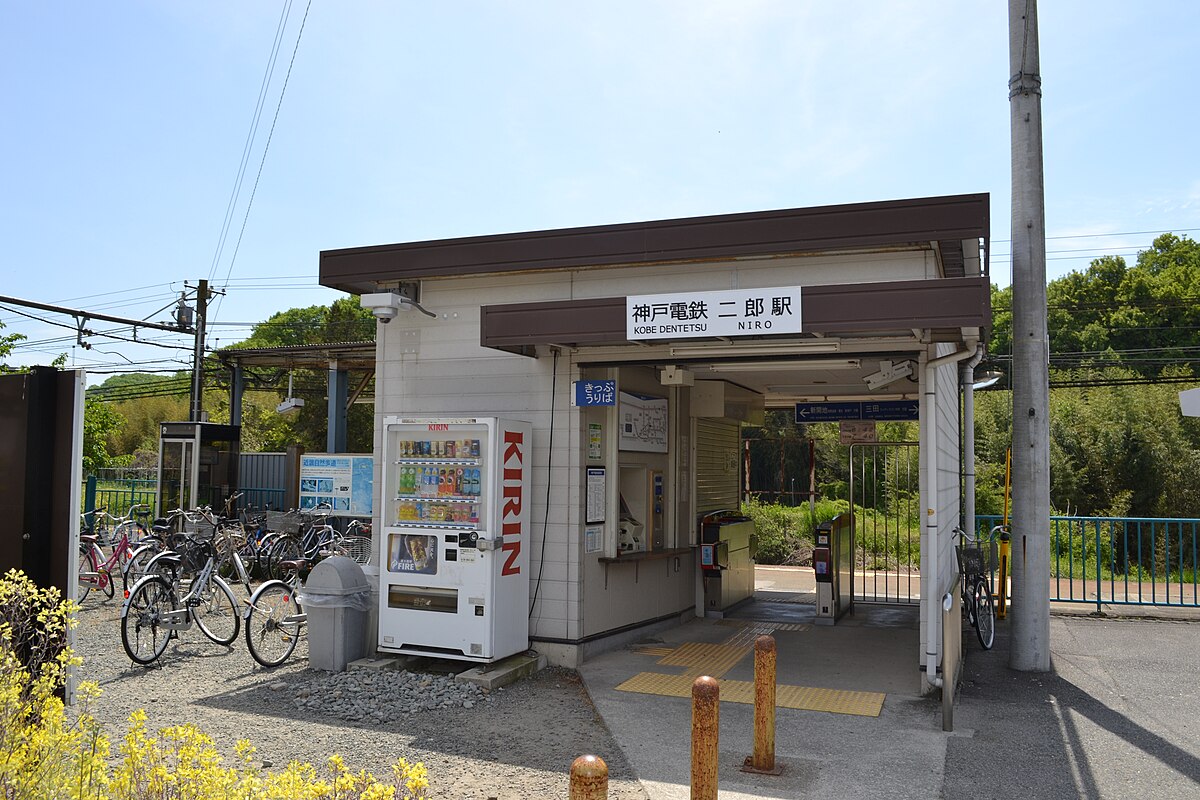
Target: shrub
<point>786,534</point>
<point>44,753</point>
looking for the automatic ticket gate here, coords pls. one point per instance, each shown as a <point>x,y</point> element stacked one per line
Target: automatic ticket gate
<point>728,544</point>
<point>833,564</point>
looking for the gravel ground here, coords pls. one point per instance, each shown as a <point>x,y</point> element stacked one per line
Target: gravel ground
<point>515,742</point>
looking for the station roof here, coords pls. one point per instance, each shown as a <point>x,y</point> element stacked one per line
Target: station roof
<point>348,355</point>
<point>942,223</point>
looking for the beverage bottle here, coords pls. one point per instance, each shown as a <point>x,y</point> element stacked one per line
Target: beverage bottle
<point>450,449</point>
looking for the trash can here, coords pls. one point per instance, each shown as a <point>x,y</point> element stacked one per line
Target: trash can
<point>337,598</point>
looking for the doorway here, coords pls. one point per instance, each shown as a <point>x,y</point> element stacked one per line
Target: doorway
<point>885,506</point>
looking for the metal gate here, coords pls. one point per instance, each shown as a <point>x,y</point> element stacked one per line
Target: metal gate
<point>885,505</point>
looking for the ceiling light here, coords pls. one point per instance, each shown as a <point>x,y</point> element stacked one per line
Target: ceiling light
<point>788,366</point>
<point>752,350</point>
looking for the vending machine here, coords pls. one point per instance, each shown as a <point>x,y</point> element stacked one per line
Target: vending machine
<point>454,571</point>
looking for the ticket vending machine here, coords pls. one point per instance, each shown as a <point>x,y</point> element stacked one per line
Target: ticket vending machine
<point>454,567</point>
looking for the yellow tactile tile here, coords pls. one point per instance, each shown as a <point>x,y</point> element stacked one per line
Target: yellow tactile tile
<point>654,651</point>
<point>804,698</point>
<point>703,658</point>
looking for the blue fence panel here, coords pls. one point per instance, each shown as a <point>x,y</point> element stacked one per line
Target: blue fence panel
<point>1147,561</point>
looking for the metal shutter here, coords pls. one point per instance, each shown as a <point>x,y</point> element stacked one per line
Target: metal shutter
<point>717,464</point>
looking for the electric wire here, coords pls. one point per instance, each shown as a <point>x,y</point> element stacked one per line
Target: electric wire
<point>270,135</point>
<point>247,147</point>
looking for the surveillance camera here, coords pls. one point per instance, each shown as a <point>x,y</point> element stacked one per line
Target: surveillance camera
<point>384,305</point>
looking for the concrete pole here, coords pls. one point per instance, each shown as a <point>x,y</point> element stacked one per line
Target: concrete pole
<point>197,399</point>
<point>1031,374</point>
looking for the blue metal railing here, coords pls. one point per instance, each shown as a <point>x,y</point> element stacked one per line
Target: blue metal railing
<point>1146,561</point>
<point>116,496</point>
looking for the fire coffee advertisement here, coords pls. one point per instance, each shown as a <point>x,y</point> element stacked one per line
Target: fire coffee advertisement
<point>413,552</point>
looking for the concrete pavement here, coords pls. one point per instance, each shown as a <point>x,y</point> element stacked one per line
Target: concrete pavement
<point>1115,718</point>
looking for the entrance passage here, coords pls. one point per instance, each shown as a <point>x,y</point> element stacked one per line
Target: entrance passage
<point>885,504</point>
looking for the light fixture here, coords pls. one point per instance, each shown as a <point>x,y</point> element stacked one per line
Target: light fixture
<point>753,350</point>
<point>290,404</point>
<point>987,380</point>
<point>788,366</point>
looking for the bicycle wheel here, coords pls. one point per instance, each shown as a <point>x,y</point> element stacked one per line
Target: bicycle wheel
<point>273,621</point>
<point>262,553</point>
<point>356,547</point>
<point>216,612</point>
<point>286,548</point>
<point>136,567</point>
<point>985,615</point>
<point>144,632</point>
<point>86,576</point>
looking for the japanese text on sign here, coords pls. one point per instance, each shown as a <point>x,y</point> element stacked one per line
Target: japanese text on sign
<point>595,393</point>
<point>738,312</point>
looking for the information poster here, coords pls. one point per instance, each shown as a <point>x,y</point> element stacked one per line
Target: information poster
<point>344,481</point>
<point>596,494</point>
<point>643,423</point>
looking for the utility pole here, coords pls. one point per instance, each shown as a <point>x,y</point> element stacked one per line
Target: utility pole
<point>1031,351</point>
<point>197,398</point>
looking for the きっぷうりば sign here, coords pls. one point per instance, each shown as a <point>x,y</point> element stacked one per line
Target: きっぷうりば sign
<point>734,312</point>
<point>595,393</point>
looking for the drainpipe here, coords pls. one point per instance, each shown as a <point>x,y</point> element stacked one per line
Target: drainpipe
<point>968,384</point>
<point>929,447</point>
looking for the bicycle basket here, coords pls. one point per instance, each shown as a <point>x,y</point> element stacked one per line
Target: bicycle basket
<point>971,560</point>
<point>199,529</point>
<point>283,521</point>
<point>193,555</point>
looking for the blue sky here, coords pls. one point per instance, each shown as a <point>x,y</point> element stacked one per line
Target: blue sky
<point>125,125</point>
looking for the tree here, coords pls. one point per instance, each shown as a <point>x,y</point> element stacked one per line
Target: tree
<point>100,421</point>
<point>7,342</point>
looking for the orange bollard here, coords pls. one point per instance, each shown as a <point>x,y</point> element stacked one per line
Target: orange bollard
<point>706,716</point>
<point>589,779</point>
<point>763,759</point>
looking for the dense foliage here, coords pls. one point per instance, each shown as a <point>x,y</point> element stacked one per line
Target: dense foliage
<point>127,434</point>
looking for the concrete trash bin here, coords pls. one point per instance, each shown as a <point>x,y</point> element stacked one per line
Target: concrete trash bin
<point>337,598</point>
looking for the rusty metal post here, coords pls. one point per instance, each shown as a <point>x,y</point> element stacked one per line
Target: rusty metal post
<point>589,779</point>
<point>706,715</point>
<point>763,759</point>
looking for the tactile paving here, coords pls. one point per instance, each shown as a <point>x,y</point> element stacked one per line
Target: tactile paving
<point>703,658</point>
<point>803,698</point>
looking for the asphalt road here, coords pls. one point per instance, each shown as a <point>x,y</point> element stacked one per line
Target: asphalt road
<point>1118,715</point>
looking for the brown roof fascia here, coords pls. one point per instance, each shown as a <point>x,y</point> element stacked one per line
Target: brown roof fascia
<point>863,308</point>
<point>761,233</point>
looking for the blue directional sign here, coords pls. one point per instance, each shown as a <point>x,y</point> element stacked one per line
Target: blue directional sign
<point>881,410</point>
<point>828,412</point>
<point>891,410</point>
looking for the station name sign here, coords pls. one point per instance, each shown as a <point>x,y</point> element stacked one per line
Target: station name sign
<point>733,312</point>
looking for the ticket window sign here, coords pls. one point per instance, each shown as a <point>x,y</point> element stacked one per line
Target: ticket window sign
<point>595,393</point>
<point>735,312</point>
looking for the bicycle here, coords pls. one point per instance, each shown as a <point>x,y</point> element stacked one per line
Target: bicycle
<point>155,611</point>
<point>275,620</point>
<point>96,569</point>
<point>318,539</point>
<point>976,587</point>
